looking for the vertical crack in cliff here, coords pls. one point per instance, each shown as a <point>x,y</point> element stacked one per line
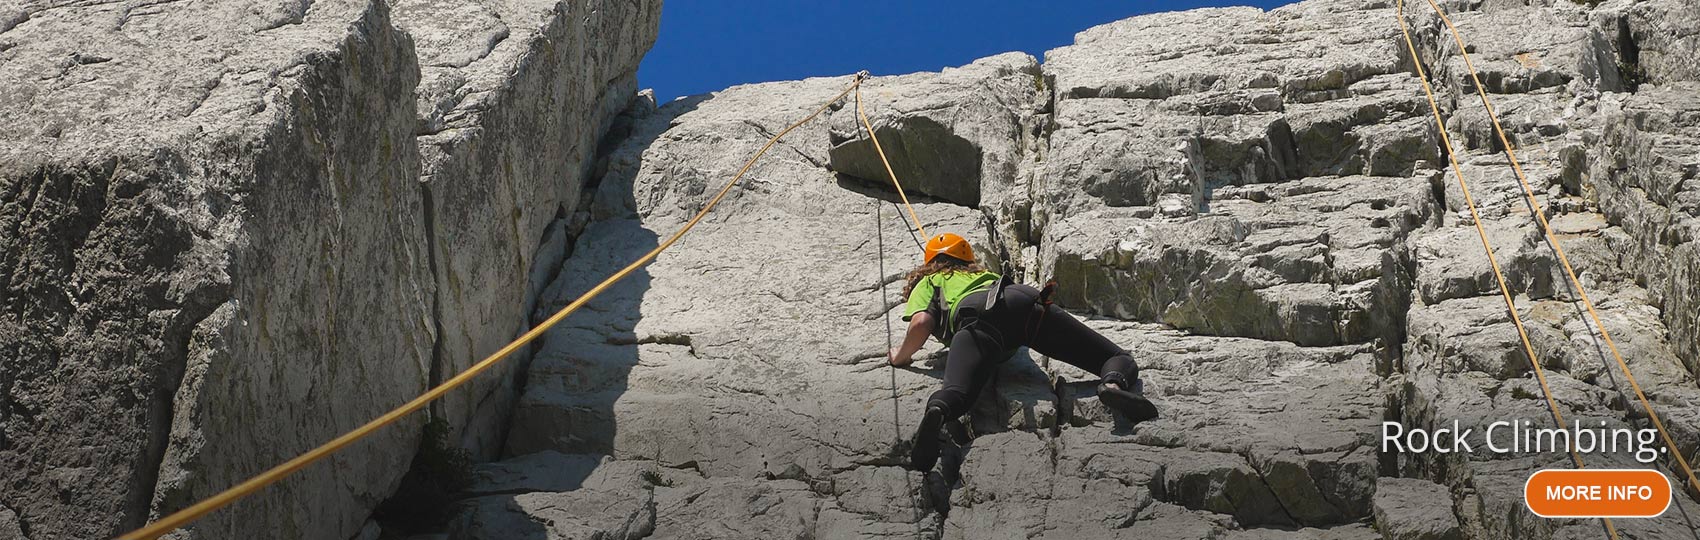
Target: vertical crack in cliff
<point>201,296</point>
<point>163,407</point>
<point>1629,57</point>
<point>434,376</point>
<point>30,192</point>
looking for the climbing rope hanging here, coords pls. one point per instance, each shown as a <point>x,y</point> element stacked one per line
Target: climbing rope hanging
<point>1487,247</point>
<point>248,487</point>
<point>879,235</point>
<point>1505,291</point>
<point>881,151</point>
<point>1564,261</point>
<point>1475,218</point>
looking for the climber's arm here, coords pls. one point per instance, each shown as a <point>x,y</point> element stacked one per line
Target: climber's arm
<point>920,326</point>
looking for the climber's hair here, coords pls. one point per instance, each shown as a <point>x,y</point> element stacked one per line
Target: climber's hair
<point>941,264</point>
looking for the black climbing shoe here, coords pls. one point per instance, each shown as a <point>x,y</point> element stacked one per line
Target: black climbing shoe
<point>924,453</point>
<point>1131,403</point>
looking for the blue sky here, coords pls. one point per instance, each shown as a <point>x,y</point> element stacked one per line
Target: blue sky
<point>707,45</point>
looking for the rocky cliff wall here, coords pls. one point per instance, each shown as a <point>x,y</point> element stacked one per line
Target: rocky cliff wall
<point>1256,204</point>
<point>228,240</point>
<point>511,111</point>
<point>218,260</point>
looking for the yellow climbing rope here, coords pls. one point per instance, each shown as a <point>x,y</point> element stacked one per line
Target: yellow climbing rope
<point>1504,290</point>
<point>1569,271</point>
<point>248,487</point>
<point>881,151</point>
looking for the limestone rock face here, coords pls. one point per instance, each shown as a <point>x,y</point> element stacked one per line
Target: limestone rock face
<point>218,254</point>
<point>214,234</point>
<point>954,136</point>
<point>232,241</point>
<point>1257,205</point>
<point>511,110</point>
<point>1412,509</point>
<point>1237,173</point>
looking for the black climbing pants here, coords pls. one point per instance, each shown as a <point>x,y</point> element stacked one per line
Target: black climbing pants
<point>986,339</point>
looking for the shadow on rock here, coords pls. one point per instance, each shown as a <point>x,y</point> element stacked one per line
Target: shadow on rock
<point>561,440</point>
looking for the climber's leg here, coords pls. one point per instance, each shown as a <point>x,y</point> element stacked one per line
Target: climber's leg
<point>1063,337</point>
<point>967,367</point>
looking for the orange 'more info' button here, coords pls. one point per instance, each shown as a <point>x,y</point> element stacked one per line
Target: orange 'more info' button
<point>1591,493</point>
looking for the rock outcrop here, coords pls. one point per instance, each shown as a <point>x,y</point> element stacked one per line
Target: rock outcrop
<point>1256,204</point>
<point>218,253</point>
<point>511,111</point>
<point>232,241</point>
<point>213,234</point>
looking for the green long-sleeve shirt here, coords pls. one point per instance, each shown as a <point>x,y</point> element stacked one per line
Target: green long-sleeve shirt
<point>952,287</point>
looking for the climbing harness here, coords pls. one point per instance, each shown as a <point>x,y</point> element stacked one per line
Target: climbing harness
<point>248,487</point>
<point>944,320</point>
<point>1041,307</point>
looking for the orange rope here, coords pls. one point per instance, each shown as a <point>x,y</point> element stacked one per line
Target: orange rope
<point>248,487</point>
<point>888,171</point>
<point>1540,215</point>
<point>1504,290</point>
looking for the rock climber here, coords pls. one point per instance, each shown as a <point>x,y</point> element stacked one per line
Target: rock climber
<point>947,298</point>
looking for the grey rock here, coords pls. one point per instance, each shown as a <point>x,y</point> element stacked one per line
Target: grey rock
<point>876,502</point>
<point>1356,531</point>
<point>1450,264</point>
<point>10,528</point>
<point>1551,52</point>
<point>1271,396</point>
<point>1224,97</point>
<point>372,531</point>
<point>1169,54</point>
<point>584,514</point>
<point>542,471</point>
<point>221,255</point>
<point>514,99</point>
<point>1412,509</point>
<point>1473,334</point>
<point>1253,203</point>
<point>607,381</point>
<point>1251,267</point>
<point>1641,181</point>
<point>215,262</point>
<point>1660,34</point>
<point>736,508</point>
<point>953,135</point>
<point>1224,484</point>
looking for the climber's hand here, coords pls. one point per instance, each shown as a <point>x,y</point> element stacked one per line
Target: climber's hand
<point>897,360</point>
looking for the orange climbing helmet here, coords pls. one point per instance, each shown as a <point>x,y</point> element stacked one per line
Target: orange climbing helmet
<point>949,244</point>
